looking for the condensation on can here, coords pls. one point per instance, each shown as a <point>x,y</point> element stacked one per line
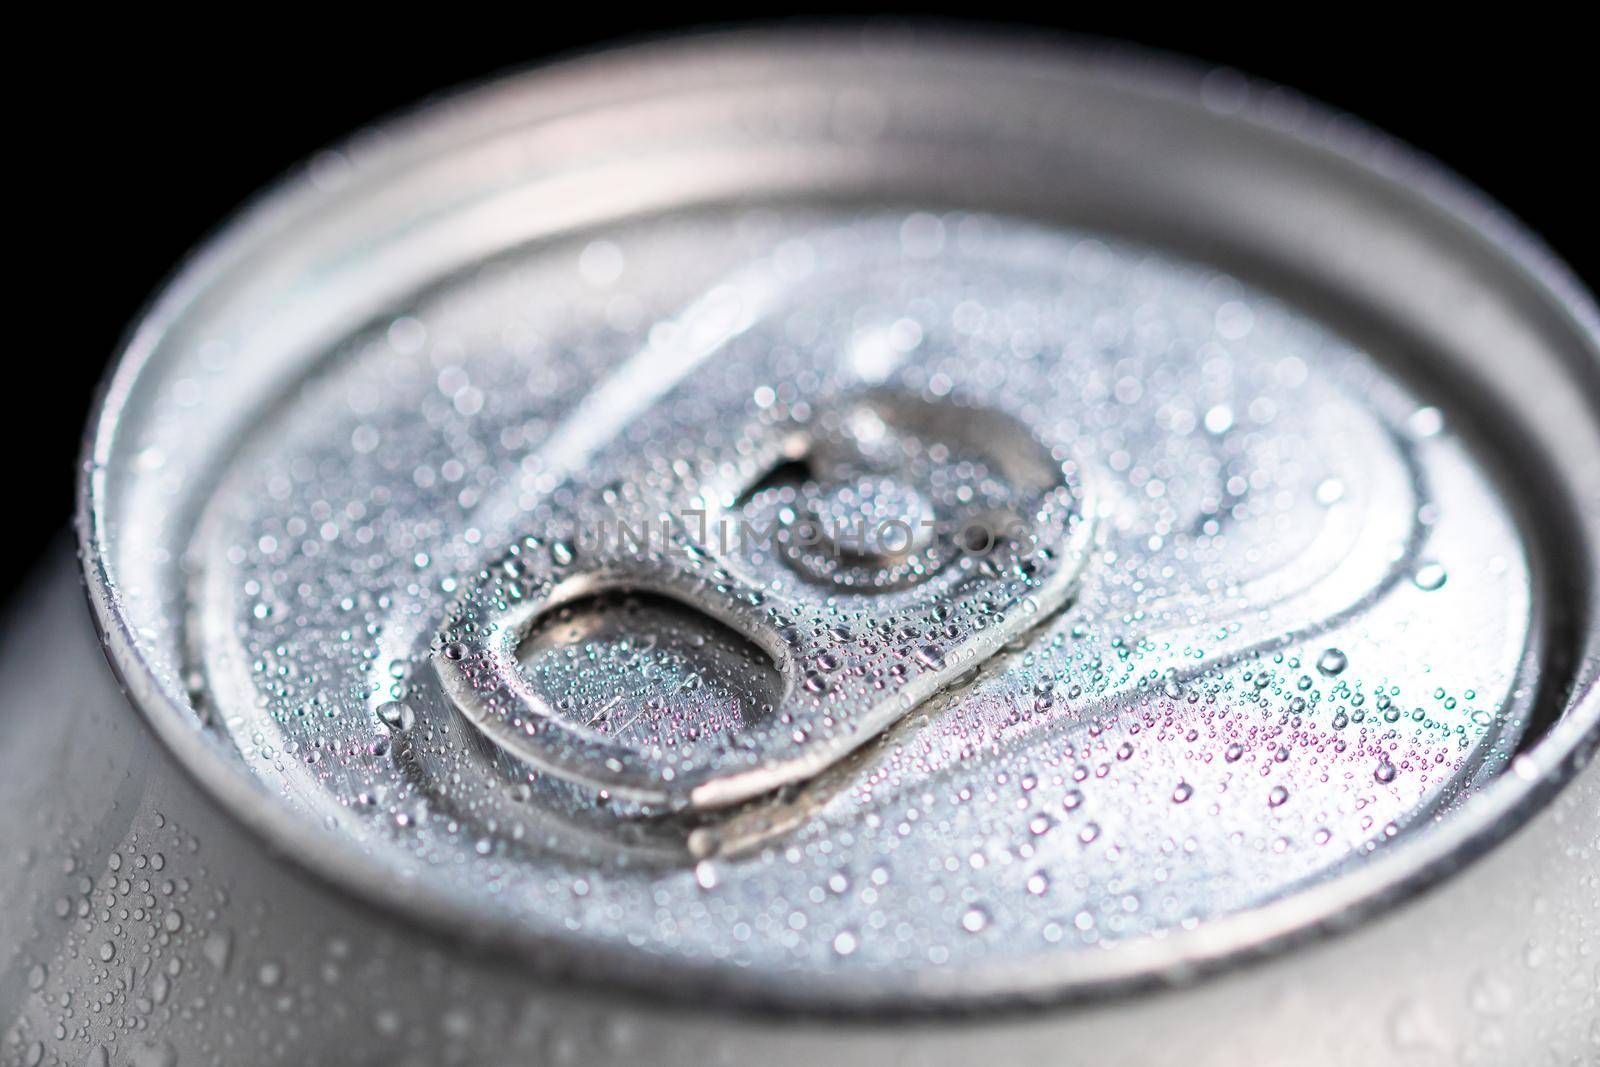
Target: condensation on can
<point>551,521</point>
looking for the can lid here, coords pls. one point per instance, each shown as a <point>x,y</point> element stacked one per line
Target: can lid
<point>862,524</point>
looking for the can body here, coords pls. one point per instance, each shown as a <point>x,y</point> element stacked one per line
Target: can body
<point>1218,684</point>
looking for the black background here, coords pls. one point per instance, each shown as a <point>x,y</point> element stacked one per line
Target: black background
<point>138,140</point>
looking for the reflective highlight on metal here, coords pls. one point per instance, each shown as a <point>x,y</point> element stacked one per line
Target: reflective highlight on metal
<point>407,517</point>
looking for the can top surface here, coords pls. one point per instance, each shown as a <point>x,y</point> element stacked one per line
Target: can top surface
<point>855,524</point>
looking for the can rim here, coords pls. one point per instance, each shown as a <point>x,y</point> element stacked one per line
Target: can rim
<point>1306,915</point>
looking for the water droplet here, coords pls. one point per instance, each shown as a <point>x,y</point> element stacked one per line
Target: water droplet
<point>1491,995</point>
<point>705,874</point>
<point>1412,1028</point>
<point>1329,492</point>
<point>1219,419</point>
<point>1426,422</point>
<point>397,715</point>
<point>218,949</point>
<point>1429,577</point>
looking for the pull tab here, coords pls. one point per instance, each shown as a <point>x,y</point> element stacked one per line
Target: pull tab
<point>874,544</point>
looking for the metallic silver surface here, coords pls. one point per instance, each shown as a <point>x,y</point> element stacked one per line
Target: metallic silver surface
<point>1222,715</point>
<point>1306,434</point>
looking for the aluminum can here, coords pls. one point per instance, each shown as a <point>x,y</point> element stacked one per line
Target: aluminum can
<point>788,548</point>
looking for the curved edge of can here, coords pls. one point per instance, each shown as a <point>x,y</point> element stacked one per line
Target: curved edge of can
<point>570,84</point>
